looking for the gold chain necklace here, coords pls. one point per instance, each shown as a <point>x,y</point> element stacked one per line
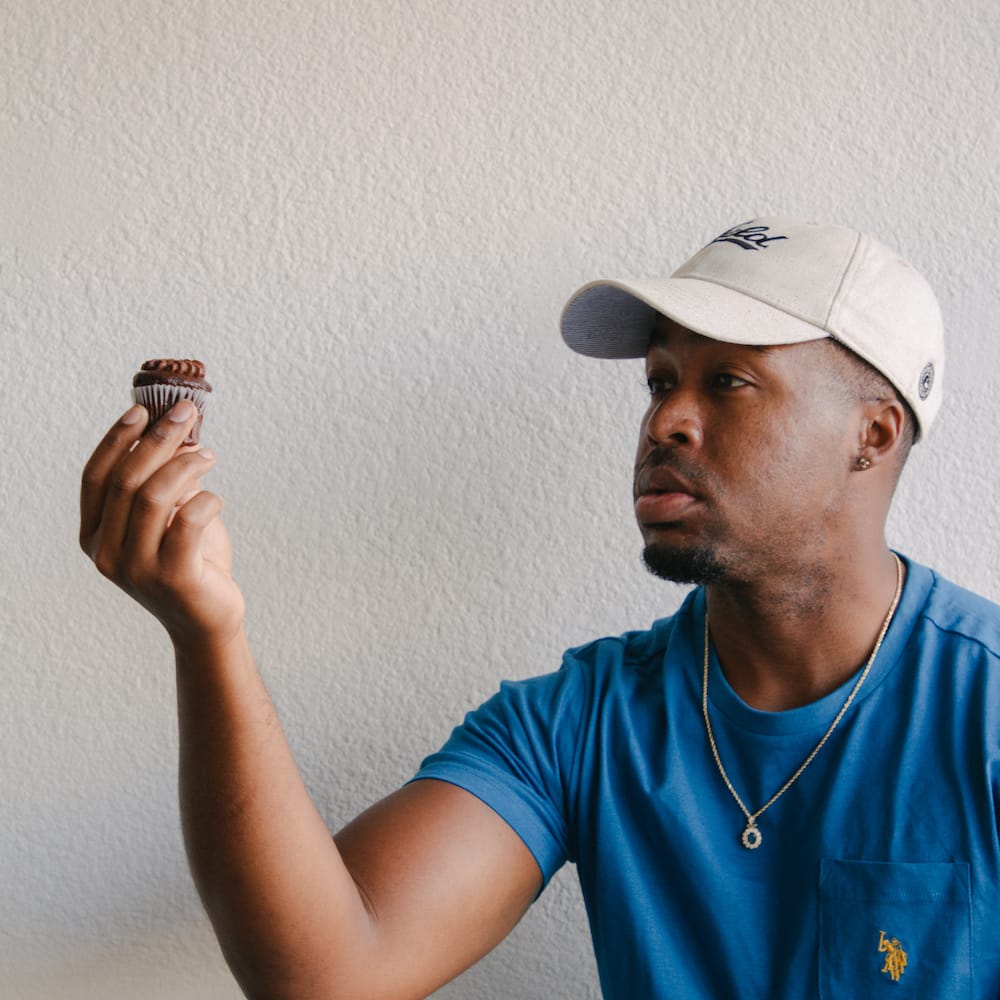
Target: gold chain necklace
<point>752,837</point>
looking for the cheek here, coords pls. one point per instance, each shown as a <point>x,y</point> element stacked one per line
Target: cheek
<point>785,468</point>
<point>809,478</point>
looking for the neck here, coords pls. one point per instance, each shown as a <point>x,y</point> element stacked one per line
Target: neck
<point>788,640</point>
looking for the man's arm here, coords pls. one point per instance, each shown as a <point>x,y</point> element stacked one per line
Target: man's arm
<point>408,895</point>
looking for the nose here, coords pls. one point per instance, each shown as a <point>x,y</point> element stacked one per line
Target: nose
<point>674,419</point>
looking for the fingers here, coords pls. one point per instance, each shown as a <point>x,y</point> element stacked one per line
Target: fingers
<point>156,504</point>
<point>180,548</point>
<point>189,495</point>
<point>113,447</point>
<point>119,472</point>
<point>148,526</point>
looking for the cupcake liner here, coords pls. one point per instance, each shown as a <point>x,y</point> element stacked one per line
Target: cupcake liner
<point>159,397</point>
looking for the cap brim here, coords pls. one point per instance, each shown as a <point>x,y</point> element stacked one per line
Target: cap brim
<point>615,319</point>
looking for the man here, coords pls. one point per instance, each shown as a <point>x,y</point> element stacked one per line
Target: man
<point>789,788</point>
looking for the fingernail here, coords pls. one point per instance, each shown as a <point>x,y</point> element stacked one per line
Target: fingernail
<point>207,454</point>
<point>133,415</point>
<point>180,412</point>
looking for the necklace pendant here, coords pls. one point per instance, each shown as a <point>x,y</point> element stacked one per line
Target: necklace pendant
<point>752,837</point>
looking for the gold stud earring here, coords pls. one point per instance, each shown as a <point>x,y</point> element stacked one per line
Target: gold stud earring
<point>863,463</point>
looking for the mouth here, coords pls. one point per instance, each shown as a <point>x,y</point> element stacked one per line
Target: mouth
<point>662,506</point>
<point>661,497</point>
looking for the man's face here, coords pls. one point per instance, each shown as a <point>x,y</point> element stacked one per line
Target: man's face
<point>743,458</point>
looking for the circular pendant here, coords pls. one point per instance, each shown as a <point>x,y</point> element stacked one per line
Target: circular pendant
<point>751,838</point>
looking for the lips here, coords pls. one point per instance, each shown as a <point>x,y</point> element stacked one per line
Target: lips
<point>660,508</point>
<point>659,479</point>
<point>661,495</point>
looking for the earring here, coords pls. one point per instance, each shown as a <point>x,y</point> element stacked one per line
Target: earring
<point>863,463</point>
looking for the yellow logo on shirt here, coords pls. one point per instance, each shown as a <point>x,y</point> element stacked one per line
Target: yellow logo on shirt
<point>895,957</point>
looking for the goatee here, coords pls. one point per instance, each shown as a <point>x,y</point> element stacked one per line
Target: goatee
<point>698,565</point>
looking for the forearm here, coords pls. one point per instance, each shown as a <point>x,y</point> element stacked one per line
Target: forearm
<point>285,908</point>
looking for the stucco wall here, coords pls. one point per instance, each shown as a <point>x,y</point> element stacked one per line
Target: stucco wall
<point>365,217</point>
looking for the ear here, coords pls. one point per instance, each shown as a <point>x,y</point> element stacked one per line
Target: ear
<point>882,431</point>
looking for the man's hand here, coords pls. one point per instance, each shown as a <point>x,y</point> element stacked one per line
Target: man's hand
<point>148,526</point>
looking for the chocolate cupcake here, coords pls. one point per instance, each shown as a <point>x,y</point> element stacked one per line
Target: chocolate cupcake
<point>162,382</point>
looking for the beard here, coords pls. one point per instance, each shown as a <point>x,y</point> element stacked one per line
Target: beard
<point>698,564</point>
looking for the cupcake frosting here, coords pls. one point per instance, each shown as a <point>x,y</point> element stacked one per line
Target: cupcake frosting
<point>172,371</point>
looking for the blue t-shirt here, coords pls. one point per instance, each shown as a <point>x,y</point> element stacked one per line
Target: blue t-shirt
<point>879,868</point>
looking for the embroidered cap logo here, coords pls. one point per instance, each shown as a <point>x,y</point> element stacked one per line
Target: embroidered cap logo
<point>748,237</point>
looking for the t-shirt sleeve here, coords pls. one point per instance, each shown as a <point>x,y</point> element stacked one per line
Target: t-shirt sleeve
<point>515,754</point>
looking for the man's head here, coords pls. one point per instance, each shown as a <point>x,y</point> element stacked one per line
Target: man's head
<point>782,358</point>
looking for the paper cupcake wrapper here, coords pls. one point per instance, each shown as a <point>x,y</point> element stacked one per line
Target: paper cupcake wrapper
<point>158,398</point>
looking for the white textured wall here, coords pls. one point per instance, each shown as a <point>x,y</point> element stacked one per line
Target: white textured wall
<point>364,217</point>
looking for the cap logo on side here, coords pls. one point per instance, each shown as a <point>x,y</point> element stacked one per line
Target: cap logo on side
<point>926,382</point>
<point>748,237</point>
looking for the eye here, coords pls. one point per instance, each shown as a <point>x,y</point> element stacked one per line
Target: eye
<point>658,385</point>
<point>727,380</point>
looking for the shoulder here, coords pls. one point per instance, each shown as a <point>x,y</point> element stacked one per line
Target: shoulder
<point>592,676</point>
<point>955,615</point>
<point>640,650</point>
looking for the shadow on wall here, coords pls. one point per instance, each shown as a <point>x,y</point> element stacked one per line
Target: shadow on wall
<point>178,961</point>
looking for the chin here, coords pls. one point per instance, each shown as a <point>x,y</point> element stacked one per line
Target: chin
<point>698,564</point>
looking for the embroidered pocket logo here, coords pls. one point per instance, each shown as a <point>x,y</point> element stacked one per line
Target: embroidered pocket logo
<point>895,957</point>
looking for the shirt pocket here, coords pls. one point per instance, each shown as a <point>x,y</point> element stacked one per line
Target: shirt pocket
<point>886,924</point>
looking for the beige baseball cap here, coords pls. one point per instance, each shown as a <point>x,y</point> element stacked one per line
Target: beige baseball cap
<point>779,280</point>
